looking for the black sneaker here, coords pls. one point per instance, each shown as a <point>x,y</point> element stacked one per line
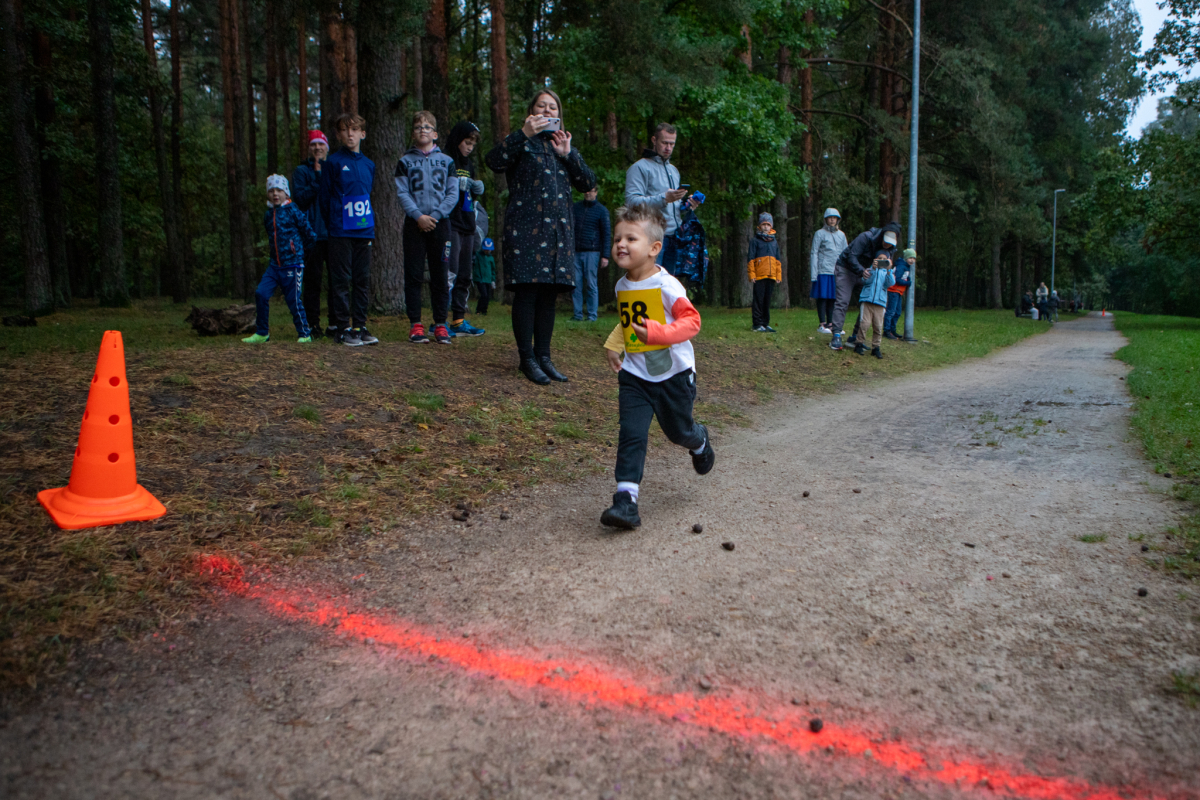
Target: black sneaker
<point>704,460</point>
<point>623,513</point>
<point>365,336</point>
<point>350,338</point>
<point>333,332</point>
<point>860,349</point>
<point>875,351</point>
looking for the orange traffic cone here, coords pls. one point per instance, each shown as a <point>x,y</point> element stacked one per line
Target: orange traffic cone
<point>103,489</point>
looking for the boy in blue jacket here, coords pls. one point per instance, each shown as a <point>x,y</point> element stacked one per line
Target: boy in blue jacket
<point>288,235</point>
<point>872,302</point>
<point>427,185</point>
<point>347,178</point>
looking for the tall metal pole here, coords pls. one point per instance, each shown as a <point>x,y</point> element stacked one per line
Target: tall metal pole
<point>1054,238</point>
<point>910,299</point>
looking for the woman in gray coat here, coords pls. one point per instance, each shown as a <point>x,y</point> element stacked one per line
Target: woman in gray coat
<point>539,238</point>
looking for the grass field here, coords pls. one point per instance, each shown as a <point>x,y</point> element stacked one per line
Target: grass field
<point>286,451</point>
<point>1164,353</point>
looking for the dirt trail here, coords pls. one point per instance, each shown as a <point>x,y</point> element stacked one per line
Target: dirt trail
<point>866,609</point>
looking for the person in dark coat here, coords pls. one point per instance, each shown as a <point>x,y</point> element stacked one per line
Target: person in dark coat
<point>539,238</point>
<point>853,265</point>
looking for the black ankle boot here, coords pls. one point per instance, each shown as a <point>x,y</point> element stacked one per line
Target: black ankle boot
<point>551,371</point>
<point>860,348</point>
<point>875,351</point>
<point>623,513</point>
<point>531,370</point>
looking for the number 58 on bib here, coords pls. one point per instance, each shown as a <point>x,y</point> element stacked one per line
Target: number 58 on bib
<point>639,306</point>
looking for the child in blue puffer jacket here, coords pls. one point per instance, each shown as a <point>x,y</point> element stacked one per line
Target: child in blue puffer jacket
<point>872,302</point>
<point>288,234</point>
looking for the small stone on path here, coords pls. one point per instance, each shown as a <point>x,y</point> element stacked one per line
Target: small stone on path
<point>805,493</point>
<point>705,684</point>
<point>1145,548</point>
<point>697,528</point>
<point>857,491</point>
<point>727,545</point>
<point>815,724</point>
<point>968,544</point>
<point>1142,592</point>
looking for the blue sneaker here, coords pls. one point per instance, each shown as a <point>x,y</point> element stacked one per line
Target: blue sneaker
<point>836,344</point>
<point>465,328</point>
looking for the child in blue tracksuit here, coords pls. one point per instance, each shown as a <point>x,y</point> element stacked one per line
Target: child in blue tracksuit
<point>288,235</point>
<point>872,302</point>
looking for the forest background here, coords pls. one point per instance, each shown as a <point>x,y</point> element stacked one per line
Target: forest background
<point>142,132</point>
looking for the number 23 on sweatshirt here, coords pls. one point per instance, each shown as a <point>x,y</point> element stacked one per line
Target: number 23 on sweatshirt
<point>660,304</point>
<point>345,195</point>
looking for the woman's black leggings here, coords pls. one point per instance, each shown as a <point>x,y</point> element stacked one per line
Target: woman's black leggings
<point>533,318</point>
<point>825,310</point>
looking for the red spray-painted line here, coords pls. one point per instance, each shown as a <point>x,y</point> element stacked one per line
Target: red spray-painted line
<point>592,685</point>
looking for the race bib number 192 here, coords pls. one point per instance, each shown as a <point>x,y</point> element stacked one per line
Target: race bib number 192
<point>638,306</point>
<point>356,212</point>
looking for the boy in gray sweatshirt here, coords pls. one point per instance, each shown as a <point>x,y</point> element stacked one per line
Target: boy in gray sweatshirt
<point>427,185</point>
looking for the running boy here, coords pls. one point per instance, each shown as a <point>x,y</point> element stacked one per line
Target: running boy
<point>428,189</point>
<point>347,178</point>
<point>288,235</point>
<point>765,271</point>
<point>658,375</point>
<point>872,302</point>
<point>485,275</point>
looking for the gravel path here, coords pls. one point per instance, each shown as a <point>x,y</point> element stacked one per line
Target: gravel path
<point>931,592</point>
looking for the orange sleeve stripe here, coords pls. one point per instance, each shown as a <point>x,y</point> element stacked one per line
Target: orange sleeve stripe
<point>685,326</point>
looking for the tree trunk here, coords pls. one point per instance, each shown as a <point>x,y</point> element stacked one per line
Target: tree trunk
<point>418,62</point>
<point>272,89</point>
<point>349,68</point>
<point>743,230</point>
<point>39,294</point>
<point>380,63</point>
<point>302,87</point>
<point>183,281</point>
<point>285,94</point>
<point>437,81</point>
<point>332,65</point>
<point>174,268</point>
<point>501,114</point>
<point>807,212</point>
<point>779,211</point>
<point>113,289</point>
<point>241,241</point>
<point>248,82</point>
<point>997,300</point>
<point>1019,279</point>
<point>55,215</point>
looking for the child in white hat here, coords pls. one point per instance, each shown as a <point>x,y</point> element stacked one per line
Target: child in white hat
<point>288,234</point>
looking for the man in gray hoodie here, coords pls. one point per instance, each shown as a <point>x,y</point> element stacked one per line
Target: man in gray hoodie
<point>654,180</point>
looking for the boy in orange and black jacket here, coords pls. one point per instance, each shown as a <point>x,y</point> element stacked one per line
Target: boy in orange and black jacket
<point>765,271</point>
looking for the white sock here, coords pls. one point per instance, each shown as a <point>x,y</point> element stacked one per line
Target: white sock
<point>627,486</point>
<point>700,449</point>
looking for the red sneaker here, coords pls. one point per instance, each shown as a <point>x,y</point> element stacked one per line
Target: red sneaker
<point>417,334</point>
<point>441,335</point>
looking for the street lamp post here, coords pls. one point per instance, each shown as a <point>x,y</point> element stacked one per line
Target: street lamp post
<point>1054,238</point>
<point>910,300</point>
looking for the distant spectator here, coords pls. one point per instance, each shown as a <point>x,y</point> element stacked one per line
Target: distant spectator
<point>895,298</point>
<point>653,179</point>
<point>593,245</point>
<point>306,184</point>
<point>765,270</point>
<point>827,244</point>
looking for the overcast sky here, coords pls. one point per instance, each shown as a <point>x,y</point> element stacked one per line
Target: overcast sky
<point>1152,19</point>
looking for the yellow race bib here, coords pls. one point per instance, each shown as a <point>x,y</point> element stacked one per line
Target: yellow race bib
<point>638,306</point>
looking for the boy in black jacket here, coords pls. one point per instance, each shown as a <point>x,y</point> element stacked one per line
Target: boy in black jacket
<point>462,141</point>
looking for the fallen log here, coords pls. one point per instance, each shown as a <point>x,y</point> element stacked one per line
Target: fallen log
<point>222,321</point>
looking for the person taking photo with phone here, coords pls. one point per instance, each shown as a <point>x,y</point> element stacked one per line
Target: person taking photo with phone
<point>655,181</point>
<point>539,237</point>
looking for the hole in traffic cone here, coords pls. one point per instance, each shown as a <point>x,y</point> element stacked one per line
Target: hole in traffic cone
<point>103,489</point>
